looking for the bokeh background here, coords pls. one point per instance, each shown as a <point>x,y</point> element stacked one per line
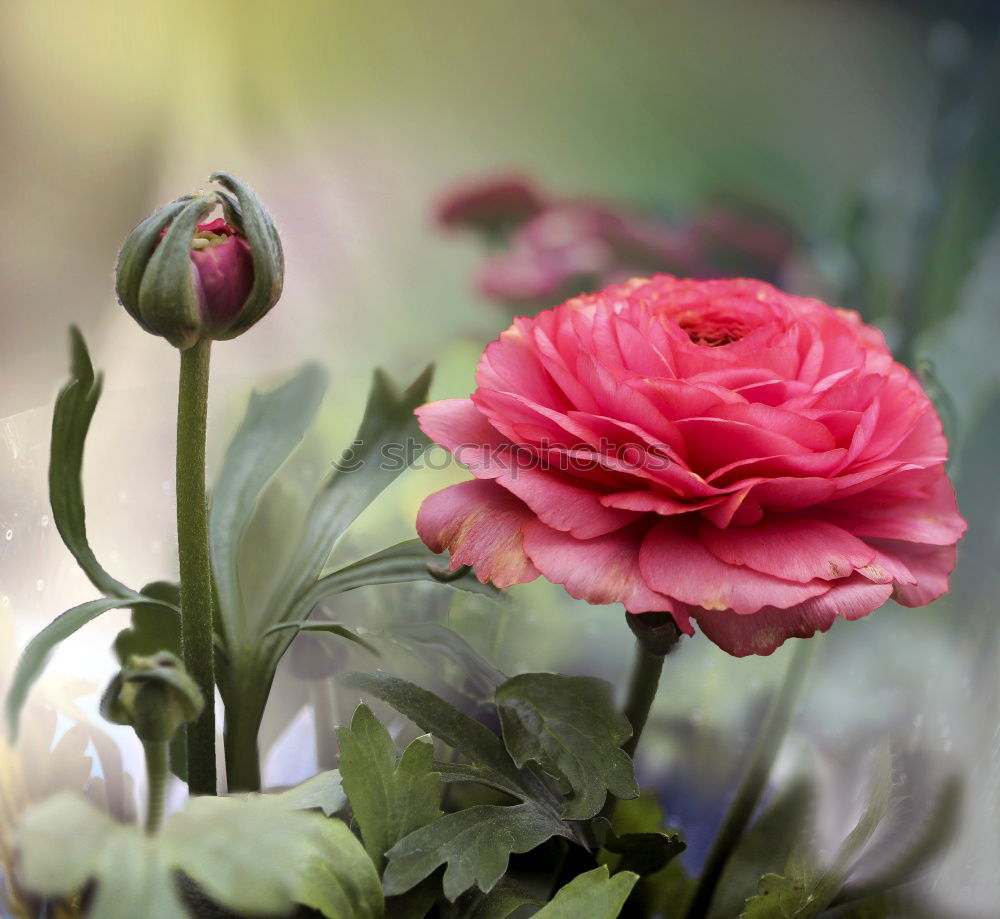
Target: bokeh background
<point>873,128</point>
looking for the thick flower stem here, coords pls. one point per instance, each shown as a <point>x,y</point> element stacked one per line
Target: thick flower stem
<point>641,693</point>
<point>656,635</point>
<point>772,733</point>
<point>195,564</point>
<point>157,770</point>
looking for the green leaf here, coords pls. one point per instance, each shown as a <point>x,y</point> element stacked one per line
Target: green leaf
<point>402,563</point>
<point>475,844</point>
<point>779,898</point>
<point>295,857</point>
<point>74,410</point>
<point>36,654</point>
<point>381,451</point>
<point>324,791</point>
<point>153,628</point>
<point>271,429</point>
<point>569,726</point>
<point>417,902</point>
<point>936,832</point>
<point>502,901</point>
<point>594,895</point>
<point>339,879</point>
<point>434,637</point>
<point>663,893</point>
<point>765,848</point>
<point>804,892</point>
<point>435,716</point>
<point>333,628</point>
<point>643,853</point>
<point>390,796</point>
<point>481,775</point>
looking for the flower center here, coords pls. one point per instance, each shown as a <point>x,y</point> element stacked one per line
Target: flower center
<point>711,329</point>
<point>210,235</point>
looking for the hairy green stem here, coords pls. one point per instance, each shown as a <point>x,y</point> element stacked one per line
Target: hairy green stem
<point>642,691</point>
<point>157,770</point>
<point>772,733</point>
<point>656,635</point>
<point>195,563</point>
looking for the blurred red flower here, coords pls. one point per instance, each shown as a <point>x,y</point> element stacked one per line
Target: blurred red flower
<point>742,458</point>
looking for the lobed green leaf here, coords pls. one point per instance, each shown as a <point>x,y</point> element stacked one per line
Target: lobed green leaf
<point>390,796</point>
<point>569,726</point>
<point>296,858</point>
<point>475,844</point>
<point>593,894</point>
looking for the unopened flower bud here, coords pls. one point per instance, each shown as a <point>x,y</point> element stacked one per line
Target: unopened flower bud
<point>186,279</point>
<point>154,695</point>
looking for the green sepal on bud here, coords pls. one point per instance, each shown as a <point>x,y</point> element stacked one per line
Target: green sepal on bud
<point>154,695</point>
<point>186,280</point>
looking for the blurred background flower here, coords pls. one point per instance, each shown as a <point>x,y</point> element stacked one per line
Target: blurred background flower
<point>863,135</point>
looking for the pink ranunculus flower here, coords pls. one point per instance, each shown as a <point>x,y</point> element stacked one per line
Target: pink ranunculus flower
<point>741,458</point>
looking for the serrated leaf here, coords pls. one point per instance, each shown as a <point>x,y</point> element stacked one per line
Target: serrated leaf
<point>594,895</point>
<point>390,795</point>
<point>643,853</point>
<point>435,716</point>
<point>388,424</point>
<point>765,848</point>
<point>271,429</point>
<point>324,791</point>
<point>664,893</point>
<point>504,900</point>
<point>332,628</point>
<point>295,857</point>
<point>778,898</point>
<point>405,562</point>
<point>36,654</point>
<point>475,844</point>
<point>572,729</point>
<point>71,419</point>
<point>153,628</point>
<point>804,891</point>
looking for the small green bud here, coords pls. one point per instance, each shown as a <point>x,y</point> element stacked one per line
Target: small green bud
<point>154,695</point>
<point>185,280</point>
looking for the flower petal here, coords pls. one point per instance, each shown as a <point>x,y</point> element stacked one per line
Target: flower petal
<point>793,548</point>
<point>480,522</point>
<point>600,570</point>
<point>674,562</point>
<point>763,631</point>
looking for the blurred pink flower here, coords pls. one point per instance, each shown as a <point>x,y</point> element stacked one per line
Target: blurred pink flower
<point>546,249</point>
<point>718,450</point>
<point>569,247</point>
